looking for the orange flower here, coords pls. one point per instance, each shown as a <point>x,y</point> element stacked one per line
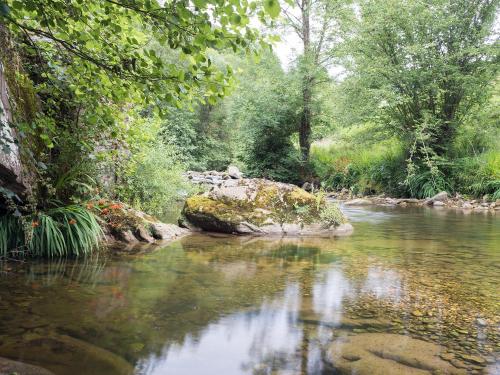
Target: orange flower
<point>35,224</point>
<point>105,211</point>
<point>101,202</point>
<point>72,222</point>
<point>115,206</point>
<point>90,206</point>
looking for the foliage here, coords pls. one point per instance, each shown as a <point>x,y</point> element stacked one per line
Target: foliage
<point>203,137</point>
<point>332,215</point>
<point>318,26</point>
<point>95,67</point>
<point>418,110</point>
<point>11,235</point>
<point>374,167</point>
<point>63,231</point>
<point>153,180</point>
<point>478,175</point>
<point>357,161</point>
<point>114,44</point>
<point>264,110</point>
<point>426,66</point>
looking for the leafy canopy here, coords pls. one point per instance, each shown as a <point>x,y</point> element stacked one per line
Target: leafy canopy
<point>114,44</point>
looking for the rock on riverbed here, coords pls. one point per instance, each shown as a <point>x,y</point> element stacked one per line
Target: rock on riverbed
<point>388,354</point>
<point>9,367</point>
<point>258,206</point>
<point>61,353</point>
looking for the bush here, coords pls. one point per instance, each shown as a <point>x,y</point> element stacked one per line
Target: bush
<point>381,167</point>
<point>332,215</point>
<point>153,180</point>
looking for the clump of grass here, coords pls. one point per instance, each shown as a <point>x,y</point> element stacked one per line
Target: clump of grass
<point>63,231</point>
<point>11,235</point>
<point>478,175</point>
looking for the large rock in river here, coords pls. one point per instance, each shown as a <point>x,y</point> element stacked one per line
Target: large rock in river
<point>258,206</point>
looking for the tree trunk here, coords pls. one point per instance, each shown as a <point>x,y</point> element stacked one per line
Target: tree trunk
<point>305,121</point>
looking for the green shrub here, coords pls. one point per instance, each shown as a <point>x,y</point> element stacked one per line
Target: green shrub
<point>153,180</point>
<point>332,215</point>
<point>62,231</point>
<point>425,183</point>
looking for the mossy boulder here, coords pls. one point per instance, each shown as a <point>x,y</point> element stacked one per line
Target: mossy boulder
<point>258,206</point>
<point>127,225</point>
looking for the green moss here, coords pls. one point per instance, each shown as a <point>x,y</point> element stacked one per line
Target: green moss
<point>300,197</point>
<point>199,204</point>
<point>21,91</point>
<point>282,205</point>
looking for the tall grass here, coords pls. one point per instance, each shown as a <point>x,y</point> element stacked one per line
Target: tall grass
<point>381,167</point>
<point>362,168</point>
<point>478,175</point>
<point>59,232</point>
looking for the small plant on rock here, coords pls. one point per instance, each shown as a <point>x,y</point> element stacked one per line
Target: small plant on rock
<point>331,215</point>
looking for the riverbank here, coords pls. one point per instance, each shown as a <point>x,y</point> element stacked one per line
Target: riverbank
<point>441,200</point>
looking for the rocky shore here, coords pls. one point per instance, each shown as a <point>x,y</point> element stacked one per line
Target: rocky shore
<point>440,200</point>
<point>123,225</point>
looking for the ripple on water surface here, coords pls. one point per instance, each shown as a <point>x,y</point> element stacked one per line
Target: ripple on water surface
<point>412,291</point>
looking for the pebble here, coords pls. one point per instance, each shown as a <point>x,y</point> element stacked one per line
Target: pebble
<point>457,363</point>
<point>481,322</point>
<point>473,358</point>
<point>447,356</point>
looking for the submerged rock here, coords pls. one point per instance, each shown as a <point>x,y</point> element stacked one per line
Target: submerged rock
<point>258,206</point>
<point>343,322</point>
<point>9,367</point>
<point>64,354</point>
<point>388,354</point>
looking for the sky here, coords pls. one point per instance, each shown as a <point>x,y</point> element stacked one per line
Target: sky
<point>288,48</point>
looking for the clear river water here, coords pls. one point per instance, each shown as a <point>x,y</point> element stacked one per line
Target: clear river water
<point>422,281</point>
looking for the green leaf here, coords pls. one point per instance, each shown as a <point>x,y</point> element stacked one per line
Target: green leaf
<point>272,7</point>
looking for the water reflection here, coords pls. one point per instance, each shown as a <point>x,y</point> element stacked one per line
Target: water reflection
<point>245,305</point>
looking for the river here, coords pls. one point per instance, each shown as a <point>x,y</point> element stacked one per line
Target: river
<point>241,305</point>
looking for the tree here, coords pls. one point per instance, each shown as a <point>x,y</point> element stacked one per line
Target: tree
<point>263,110</point>
<point>119,41</point>
<point>429,63</point>
<point>316,23</point>
<point>93,63</point>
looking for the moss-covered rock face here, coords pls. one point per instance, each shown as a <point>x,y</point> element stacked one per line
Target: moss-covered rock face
<point>257,206</point>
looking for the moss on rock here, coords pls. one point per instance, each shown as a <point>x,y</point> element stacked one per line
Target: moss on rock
<point>255,205</point>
